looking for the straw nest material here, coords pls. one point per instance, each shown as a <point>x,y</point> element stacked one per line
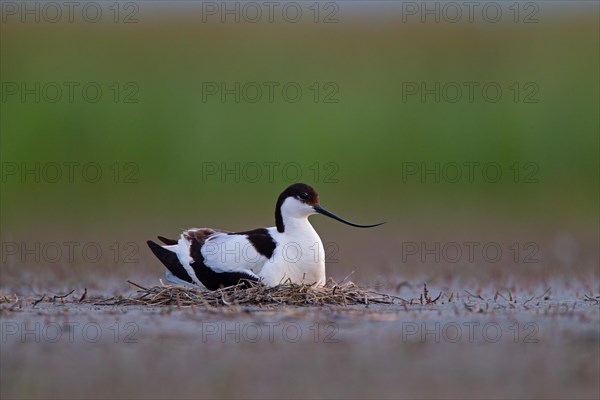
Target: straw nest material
<point>255,294</point>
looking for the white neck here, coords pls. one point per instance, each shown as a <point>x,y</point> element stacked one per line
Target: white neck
<point>295,225</point>
<point>294,215</point>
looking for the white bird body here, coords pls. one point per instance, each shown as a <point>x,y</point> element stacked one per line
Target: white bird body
<point>290,252</point>
<point>300,257</point>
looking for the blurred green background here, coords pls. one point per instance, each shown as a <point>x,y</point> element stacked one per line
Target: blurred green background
<point>359,145</point>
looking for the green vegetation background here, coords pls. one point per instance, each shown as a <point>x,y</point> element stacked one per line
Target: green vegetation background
<point>368,134</point>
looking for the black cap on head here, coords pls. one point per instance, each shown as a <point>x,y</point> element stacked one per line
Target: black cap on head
<point>306,194</point>
<point>300,191</point>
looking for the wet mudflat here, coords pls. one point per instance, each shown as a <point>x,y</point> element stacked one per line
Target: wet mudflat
<point>542,341</point>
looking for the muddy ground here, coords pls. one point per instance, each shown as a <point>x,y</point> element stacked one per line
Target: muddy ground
<point>539,341</point>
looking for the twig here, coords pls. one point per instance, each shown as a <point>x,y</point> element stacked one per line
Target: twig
<point>136,285</point>
<point>348,276</point>
<point>544,295</point>
<point>63,296</point>
<point>527,301</point>
<point>472,295</point>
<point>84,295</point>
<point>588,298</point>
<point>436,299</point>
<point>35,303</point>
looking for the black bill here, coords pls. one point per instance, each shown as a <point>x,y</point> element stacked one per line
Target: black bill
<point>323,211</point>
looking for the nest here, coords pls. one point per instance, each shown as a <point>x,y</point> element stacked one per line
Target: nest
<point>255,294</point>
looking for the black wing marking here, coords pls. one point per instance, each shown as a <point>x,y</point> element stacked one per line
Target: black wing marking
<point>211,279</point>
<point>170,260</point>
<point>261,240</point>
<point>169,242</point>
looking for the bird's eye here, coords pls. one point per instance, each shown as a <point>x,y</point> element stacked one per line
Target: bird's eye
<point>303,195</point>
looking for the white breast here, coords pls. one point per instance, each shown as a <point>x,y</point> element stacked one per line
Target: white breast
<point>299,257</point>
